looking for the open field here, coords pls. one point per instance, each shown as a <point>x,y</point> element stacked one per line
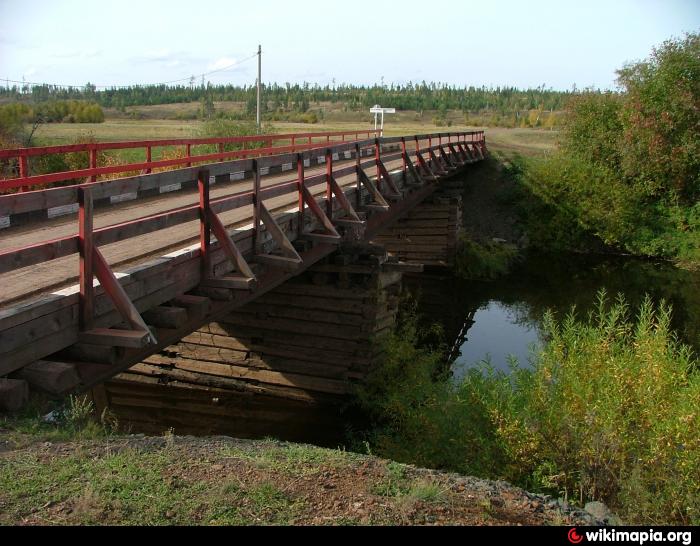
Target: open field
<point>523,141</point>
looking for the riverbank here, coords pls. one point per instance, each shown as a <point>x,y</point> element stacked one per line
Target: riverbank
<point>124,480</point>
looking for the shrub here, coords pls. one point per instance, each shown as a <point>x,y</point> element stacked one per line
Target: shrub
<point>608,411</point>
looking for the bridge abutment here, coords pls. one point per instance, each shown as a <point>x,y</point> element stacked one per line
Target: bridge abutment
<point>291,356</point>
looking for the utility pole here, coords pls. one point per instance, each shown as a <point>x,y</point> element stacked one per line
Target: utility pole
<point>259,84</point>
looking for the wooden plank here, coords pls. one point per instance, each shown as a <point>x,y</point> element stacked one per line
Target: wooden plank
<point>51,377</point>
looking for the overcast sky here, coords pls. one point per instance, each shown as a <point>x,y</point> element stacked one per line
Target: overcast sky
<point>524,43</point>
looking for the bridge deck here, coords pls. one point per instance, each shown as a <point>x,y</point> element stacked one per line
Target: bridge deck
<point>38,280</point>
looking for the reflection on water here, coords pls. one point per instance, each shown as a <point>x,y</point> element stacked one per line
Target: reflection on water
<point>498,334</point>
<point>507,313</point>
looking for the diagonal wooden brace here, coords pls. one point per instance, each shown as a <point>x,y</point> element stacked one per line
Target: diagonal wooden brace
<point>455,155</point>
<point>436,163</point>
<point>117,294</point>
<point>385,175</point>
<point>377,197</point>
<point>278,235</point>
<point>446,159</point>
<point>344,203</point>
<point>466,156</point>
<point>229,246</point>
<point>424,165</point>
<point>331,234</point>
<point>416,175</point>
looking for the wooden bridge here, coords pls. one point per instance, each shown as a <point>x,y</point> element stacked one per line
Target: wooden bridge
<point>100,276</point>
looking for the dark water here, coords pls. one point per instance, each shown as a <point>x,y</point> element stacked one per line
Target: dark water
<point>501,320</point>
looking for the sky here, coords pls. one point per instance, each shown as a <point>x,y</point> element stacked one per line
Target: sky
<point>523,43</point>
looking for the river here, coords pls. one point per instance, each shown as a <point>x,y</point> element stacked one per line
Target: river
<point>501,320</point>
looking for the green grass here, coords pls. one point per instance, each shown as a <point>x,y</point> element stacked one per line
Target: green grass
<point>132,487</point>
<point>291,459</point>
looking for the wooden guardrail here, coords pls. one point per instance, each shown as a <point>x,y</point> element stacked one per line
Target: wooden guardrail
<point>257,144</point>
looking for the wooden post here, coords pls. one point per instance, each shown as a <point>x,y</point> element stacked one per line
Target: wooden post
<point>204,224</point>
<point>24,170</point>
<point>377,159</point>
<point>93,163</point>
<point>256,208</point>
<point>404,158</point>
<point>188,152</point>
<point>300,184</point>
<point>358,168</point>
<point>86,248</point>
<point>329,176</point>
<point>148,159</point>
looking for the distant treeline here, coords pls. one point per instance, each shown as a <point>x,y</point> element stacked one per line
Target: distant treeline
<point>299,98</point>
<point>51,111</point>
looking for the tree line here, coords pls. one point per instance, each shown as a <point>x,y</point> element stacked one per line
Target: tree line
<point>300,97</point>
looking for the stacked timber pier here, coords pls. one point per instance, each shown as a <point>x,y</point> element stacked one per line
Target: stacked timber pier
<point>259,282</point>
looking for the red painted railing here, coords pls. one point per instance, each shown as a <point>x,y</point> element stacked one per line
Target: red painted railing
<point>270,144</point>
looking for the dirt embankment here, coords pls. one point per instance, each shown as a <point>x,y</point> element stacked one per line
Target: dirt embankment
<point>184,480</point>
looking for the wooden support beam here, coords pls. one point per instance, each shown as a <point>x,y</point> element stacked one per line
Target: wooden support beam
<point>14,394</point>
<point>166,317</point>
<point>197,306</point>
<point>108,337</point>
<point>51,377</point>
<point>84,352</point>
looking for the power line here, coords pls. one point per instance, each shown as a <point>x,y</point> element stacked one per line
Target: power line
<point>188,78</point>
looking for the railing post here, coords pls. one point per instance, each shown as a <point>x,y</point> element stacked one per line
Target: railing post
<point>404,157</point>
<point>300,184</point>
<point>24,169</point>
<point>204,224</point>
<point>86,246</point>
<point>188,152</point>
<point>93,163</point>
<point>329,189</point>
<point>377,160</point>
<point>256,207</point>
<point>358,163</point>
<point>148,158</point>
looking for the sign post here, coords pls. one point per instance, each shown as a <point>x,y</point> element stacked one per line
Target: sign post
<point>376,110</point>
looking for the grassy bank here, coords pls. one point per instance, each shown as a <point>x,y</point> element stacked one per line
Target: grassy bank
<point>607,412</point>
<point>136,480</point>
